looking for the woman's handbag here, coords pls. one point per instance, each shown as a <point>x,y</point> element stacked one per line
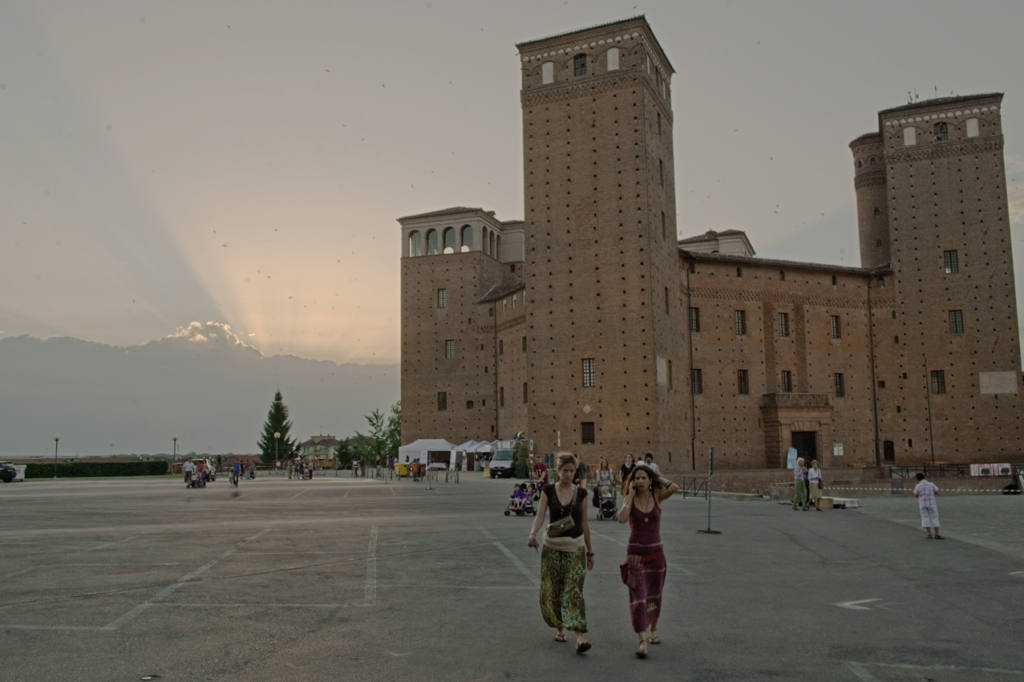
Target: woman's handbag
<point>564,524</point>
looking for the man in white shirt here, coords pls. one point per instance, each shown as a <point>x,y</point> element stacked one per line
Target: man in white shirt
<point>189,469</point>
<point>649,462</point>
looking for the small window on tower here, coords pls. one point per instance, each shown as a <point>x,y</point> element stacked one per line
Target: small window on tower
<point>442,298</point>
<point>950,261</point>
<point>972,127</point>
<point>941,132</point>
<point>613,59</point>
<point>547,73</point>
<point>586,432</point>
<point>909,136</point>
<point>579,65</point>
<point>956,322</point>
<point>938,381</point>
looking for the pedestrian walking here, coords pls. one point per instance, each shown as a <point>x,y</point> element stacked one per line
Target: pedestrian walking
<point>566,555</point>
<point>814,484</point>
<point>626,469</point>
<point>643,571</point>
<point>799,485</point>
<point>925,492</point>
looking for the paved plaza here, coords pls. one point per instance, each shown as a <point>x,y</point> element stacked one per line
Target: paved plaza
<point>352,579</point>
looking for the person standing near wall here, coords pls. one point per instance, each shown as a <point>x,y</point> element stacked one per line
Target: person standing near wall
<point>799,485</point>
<point>925,492</point>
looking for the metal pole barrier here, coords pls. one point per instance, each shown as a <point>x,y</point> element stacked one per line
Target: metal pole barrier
<point>711,464</point>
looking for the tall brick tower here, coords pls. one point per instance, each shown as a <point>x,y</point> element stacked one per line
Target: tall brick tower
<point>604,321</point>
<point>931,200</point>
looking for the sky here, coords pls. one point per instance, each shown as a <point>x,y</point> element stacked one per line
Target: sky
<point>244,162</point>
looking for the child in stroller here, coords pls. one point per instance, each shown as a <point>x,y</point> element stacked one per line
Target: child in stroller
<point>520,502</point>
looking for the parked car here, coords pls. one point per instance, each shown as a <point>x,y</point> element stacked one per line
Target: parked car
<point>503,464</point>
<point>7,472</point>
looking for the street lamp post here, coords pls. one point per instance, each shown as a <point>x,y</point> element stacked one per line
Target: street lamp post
<point>56,442</point>
<point>174,456</point>
<point>277,438</point>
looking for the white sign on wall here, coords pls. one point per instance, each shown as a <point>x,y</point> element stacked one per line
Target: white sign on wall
<point>997,382</point>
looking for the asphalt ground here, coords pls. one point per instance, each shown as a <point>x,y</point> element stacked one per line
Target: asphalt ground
<point>352,579</point>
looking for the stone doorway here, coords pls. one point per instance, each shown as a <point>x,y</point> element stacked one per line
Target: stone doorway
<point>806,444</point>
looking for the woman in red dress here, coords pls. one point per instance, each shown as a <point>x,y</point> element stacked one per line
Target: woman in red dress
<point>644,568</point>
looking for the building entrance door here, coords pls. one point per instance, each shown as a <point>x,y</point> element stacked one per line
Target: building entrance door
<point>806,444</point>
<point>888,452</point>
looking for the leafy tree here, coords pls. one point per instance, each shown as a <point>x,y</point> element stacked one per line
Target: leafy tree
<point>277,421</point>
<point>384,438</point>
<point>345,452</point>
<point>523,460</point>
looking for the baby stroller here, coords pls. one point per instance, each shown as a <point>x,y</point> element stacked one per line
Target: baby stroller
<point>520,502</point>
<point>607,500</point>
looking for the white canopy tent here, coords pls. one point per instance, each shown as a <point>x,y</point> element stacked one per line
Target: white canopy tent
<point>420,450</point>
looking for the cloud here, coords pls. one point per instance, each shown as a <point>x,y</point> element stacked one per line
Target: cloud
<point>208,333</point>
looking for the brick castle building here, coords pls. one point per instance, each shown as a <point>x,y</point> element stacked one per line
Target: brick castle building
<point>589,326</point>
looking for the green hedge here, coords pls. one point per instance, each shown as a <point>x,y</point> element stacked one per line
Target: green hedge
<point>85,468</point>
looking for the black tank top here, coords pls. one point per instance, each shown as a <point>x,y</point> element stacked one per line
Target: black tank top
<point>558,511</point>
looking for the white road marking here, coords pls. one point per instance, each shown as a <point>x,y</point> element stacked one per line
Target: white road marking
<point>938,667</point>
<point>92,628</point>
<point>855,605</point>
<point>1018,574</point>
<point>239,605</point>
<point>370,598</point>
<point>861,672</point>
<point>110,544</point>
<point>167,590</point>
<point>530,575</point>
<point>301,492</point>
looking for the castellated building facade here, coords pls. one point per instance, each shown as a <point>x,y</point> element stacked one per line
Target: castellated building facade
<point>590,327</point>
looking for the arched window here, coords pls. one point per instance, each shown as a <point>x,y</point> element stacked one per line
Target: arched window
<point>490,245</point>
<point>449,240</point>
<point>613,59</point>
<point>432,243</point>
<point>547,73</point>
<point>909,136</point>
<point>467,238</point>
<point>497,248</point>
<point>415,243</point>
<point>972,127</point>
<point>941,132</point>
<point>579,65</point>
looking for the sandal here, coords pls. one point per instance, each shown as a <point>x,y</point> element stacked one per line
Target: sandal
<point>560,638</point>
<point>654,639</point>
<point>641,649</point>
<point>582,646</point>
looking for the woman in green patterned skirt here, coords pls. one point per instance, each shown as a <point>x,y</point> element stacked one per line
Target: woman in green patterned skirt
<point>566,556</point>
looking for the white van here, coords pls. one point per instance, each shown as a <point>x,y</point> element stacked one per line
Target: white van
<point>503,464</point>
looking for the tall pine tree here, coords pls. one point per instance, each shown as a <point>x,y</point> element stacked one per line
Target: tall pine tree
<point>277,422</point>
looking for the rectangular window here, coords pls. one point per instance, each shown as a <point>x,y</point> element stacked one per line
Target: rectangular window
<point>469,404</point>
<point>787,381</point>
<point>837,329</point>
<point>524,344</point>
<point>938,381</point>
<point>956,322</point>
<point>589,372</point>
<point>693,315</point>
<point>501,346</point>
<point>666,301</point>
<point>783,324</point>
<point>741,323</point>
<point>525,392</point>
<point>664,229</point>
<point>579,65</point>
<point>696,381</point>
<point>840,386</point>
<point>670,375</point>
<point>442,400</point>
<point>501,396</point>
<point>449,349</point>
<point>950,261</point>
<point>442,298</point>
<point>586,432</point>
<point>661,172</point>
<point>742,382</point>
